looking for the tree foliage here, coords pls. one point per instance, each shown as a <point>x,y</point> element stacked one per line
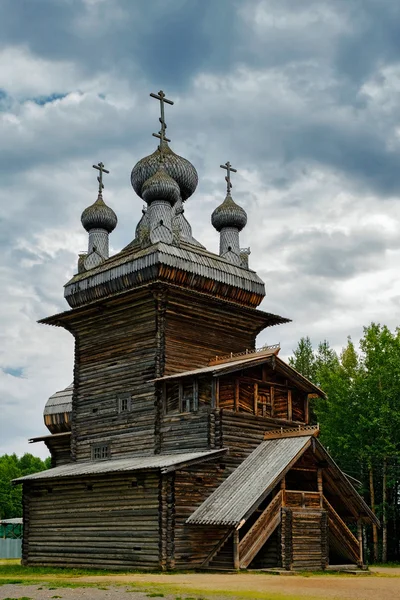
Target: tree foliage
<point>360,416</point>
<point>11,467</point>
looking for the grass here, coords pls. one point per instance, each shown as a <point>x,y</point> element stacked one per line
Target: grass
<point>13,573</point>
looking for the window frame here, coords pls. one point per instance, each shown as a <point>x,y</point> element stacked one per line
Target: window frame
<point>105,451</point>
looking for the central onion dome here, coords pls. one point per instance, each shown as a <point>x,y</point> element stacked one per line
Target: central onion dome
<point>178,168</point>
<point>229,214</point>
<point>99,216</point>
<point>160,186</point>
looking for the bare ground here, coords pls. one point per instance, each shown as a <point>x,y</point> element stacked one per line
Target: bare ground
<point>384,584</point>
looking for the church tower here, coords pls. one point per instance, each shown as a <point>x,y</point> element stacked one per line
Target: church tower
<point>179,444</point>
<point>162,305</point>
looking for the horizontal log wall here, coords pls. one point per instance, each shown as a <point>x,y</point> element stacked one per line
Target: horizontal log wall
<point>98,522</point>
<point>60,450</point>
<point>242,433</point>
<point>193,543</point>
<point>197,330</point>
<point>185,432</point>
<point>115,353</point>
<point>304,539</point>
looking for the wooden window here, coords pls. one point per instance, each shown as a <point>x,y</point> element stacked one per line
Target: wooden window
<point>100,451</point>
<point>188,394</point>
<point>124,402</point>
<point>263,400</point>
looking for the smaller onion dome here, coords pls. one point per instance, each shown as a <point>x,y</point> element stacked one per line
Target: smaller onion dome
<point>161,186</point>
<point>177,167</point>
<point>99,216</point>
<point>229,214</point>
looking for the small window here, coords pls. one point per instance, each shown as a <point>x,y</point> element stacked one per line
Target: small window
<point>124,402</point>
<point>101,452</point>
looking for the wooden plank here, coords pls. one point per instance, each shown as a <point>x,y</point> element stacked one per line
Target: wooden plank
<point>255,400</point>
<point>260,532</point>
<point>237,392</point>
<point>290,407</point>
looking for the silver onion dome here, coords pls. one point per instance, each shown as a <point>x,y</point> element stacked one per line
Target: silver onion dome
<point>229,214</point>
<point>180,169</point>
<point>99,216</point>
<point>160,186</point>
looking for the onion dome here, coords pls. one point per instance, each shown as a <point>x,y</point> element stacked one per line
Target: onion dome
<point>180,169</point>
<point>229,214</point>
<point>99,216</point>
<point>160,186</point>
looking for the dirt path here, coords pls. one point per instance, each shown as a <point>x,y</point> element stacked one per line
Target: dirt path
<point>196,586</point>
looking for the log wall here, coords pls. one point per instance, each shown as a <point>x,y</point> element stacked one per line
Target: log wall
<point>193,543</point>
<point>60,450</point>
<point>116,353</point>
<point>76,523</point>
<point>187,432</point>
<point>199,329</point>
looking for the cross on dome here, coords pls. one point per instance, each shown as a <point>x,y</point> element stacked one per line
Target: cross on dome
<point>163,100</point>
<point>229,169</point>
<point>100,167</point>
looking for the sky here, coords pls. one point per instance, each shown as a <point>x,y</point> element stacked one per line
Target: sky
<point>301,97</point>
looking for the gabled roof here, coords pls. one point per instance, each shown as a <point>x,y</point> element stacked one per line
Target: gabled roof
<point>243,491</point>
<point>269,356</point>
<point>250,483</point>
<point>164,462</point>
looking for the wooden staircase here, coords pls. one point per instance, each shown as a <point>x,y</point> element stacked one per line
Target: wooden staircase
<point>260,532</point>
<point>340,537</point>
<point>221,559</point>
<point>307,518</point>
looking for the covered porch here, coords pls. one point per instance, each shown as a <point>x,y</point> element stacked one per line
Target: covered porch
<point>287,506</point>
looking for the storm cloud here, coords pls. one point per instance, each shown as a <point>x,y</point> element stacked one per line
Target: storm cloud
<point>302,98</point>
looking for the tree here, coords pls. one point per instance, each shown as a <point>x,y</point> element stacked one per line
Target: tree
<point>360,418</point>
<point>12,467</point>
<point>303,359</point>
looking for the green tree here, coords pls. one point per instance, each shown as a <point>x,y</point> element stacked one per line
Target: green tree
<point>12,467</point>
<point>303,359</point>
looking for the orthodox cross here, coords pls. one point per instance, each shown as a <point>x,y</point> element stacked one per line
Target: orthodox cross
<point>163,100</point>
<point>100,167</point>
<point>229,170</point>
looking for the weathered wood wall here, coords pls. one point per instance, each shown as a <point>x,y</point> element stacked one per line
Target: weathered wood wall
<point>115,353</point>
<point>200,328</point>
<point>60,450</point>
<point>304,538</point>
<point>111,522</point>
<point>193,543</point>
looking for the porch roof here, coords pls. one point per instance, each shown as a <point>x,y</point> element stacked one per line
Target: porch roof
<point>244,490</point>
<point>250,483</point>
<point>164,462</point>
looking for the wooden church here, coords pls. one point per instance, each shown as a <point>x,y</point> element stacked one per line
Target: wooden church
<point>179,444</point>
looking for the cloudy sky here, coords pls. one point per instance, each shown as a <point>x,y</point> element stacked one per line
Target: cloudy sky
<point>301,97</point>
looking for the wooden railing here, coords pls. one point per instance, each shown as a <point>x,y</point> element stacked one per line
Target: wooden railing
<point>259,533</point>
<point>299,499</point>
<point>339,530</point>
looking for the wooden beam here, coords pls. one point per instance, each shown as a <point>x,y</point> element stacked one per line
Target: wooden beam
<point>214,383</point>
<point>290,407</point>
<point>180,396</point>
<point>237,392</point>
<point>272,396</point>
<point>265,383</point>
<point>292,432</point>
<point>307,409</point>
<point>320,484</point>
<point>236,559</point>
<point>255,401</point>
<point>195,394</point>
<point>360,540</point>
